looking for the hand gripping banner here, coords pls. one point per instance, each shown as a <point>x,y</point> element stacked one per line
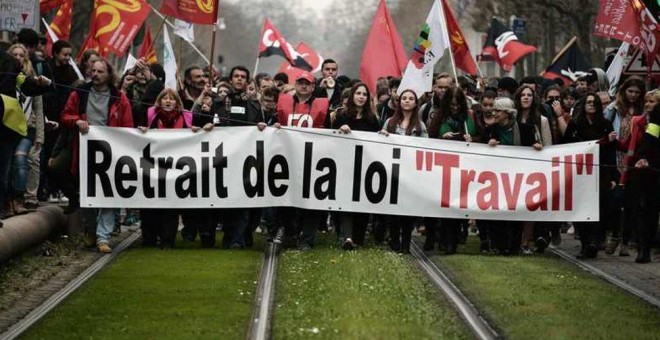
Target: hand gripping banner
<point>325,170</point>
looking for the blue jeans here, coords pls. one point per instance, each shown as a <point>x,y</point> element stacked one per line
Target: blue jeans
<point>20,167</point>
<point>100,219</point>
<point>7,147</point>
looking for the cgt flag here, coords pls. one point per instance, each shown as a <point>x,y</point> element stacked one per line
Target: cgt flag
<point>272,42</point>
<point>114,25</point>
<point>311,56</point>
<point>383,53</point>
<point>462,56</point>
<point>203,12</point>
<point>429,48</point>
<point>503,45</point>
<point>569,66</point>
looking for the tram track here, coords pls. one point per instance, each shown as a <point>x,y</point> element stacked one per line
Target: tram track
<point>54,300</point>
<point>261,325</point>
<point>465,308</point>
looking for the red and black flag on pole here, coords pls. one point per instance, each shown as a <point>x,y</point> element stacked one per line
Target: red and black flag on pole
<point>503,45</point>
<point>569,65</point>
<point>272,42</point>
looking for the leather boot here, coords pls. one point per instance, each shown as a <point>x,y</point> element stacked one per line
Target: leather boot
<point>19,209</point>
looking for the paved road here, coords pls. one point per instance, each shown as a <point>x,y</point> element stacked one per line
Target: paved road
<point>645,277</point>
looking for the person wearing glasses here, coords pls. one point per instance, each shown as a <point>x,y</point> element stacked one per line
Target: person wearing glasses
<point>589,124</point>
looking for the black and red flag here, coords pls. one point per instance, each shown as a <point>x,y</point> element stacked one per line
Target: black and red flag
<point>272,42</point>
<point>503,45</point>
<point>568,66</point>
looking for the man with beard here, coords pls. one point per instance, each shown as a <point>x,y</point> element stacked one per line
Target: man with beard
<point>194,81</point>
<point>92,105</point>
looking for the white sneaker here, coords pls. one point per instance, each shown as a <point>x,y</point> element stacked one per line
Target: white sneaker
<point>53,199</point>
<point>571,231</point>
<point>64,199</point>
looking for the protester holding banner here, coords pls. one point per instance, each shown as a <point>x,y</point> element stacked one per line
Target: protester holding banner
<point>238,109</point>
<point>589,124</point>
<point>407,122</point>
<point>529,111</point>
<point>100,103</point>
<point>506,236</point>
<point>452,121</point>
<point>358,116</point>
<point>306,111</point>
<point>386,110</point>
<point>159,226</point>
<point>628,104</point>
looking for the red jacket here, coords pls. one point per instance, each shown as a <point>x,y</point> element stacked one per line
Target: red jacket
<point>291,112</point>
<point>119,114</point>
<point>629,145</point>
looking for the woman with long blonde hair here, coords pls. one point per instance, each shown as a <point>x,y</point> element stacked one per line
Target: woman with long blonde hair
<point>25,170</point>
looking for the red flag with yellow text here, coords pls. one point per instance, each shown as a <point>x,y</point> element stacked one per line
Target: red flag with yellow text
<point>116,23</point>
<point>462,56</point>
<point>203,12</point>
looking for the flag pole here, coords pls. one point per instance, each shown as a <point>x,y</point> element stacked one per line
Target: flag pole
<point>451,52</point>
<point>201,55</point>
<point>215,30</point>
<point>256,66</point>
<point>561,52</point>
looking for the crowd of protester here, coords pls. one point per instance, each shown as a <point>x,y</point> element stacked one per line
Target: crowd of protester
<point>41,165</point>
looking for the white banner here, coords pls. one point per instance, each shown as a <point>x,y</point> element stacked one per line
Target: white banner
<point>18,14</point>
<point>325,170</point>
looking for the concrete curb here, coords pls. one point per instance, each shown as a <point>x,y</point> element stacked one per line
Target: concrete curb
<point>22,232</point>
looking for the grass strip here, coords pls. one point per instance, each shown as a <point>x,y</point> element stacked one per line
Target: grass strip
<point>542,296</point>
<point>329,293</point>
<point>184,293</point>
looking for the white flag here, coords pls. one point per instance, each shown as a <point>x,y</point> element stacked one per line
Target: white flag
<point>616,67</point>
<point>429,48</point>
<point>55,38</point>
<point>130,62</point>
<point>184,30</point>
<point>169,62</point>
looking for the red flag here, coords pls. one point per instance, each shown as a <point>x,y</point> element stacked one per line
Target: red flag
<point>61,24</point>
<point>147,50</point>
<point>312,57</point>
<point>203,12</point>
<point>383,53</point>
<point>462,56</point>
<point>649,31</point>
<point>46,6</point>
<point>118,23</point>
<point>272,42</point>
<point>629,21</point>
<point>503,45</point>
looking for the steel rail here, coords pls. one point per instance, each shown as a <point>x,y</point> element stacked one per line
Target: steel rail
<point>260,327</point>
<point>36,314</point>
<point>465,308</point>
